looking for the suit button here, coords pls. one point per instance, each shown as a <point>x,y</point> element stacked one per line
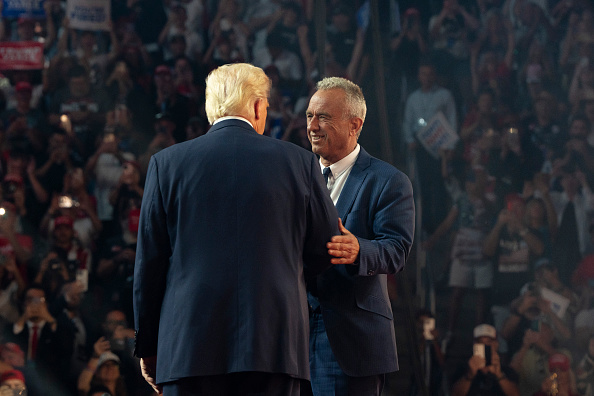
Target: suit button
<point>370,272</point>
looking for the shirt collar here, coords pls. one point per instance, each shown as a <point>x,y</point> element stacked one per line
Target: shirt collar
<point>233,118</point>
<point>339,167</point>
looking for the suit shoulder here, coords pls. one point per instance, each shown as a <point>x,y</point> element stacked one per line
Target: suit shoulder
<point>384,169</point>
<point>290,148</point>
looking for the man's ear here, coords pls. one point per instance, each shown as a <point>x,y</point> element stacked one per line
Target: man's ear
<point>257,108</point>
<point>355,125</point>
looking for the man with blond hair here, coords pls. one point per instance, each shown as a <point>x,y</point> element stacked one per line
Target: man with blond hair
<point>352,342</point>
<point>230,221</point>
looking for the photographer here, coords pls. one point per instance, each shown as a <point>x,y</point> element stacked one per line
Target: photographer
<point>75,202</point>
<point>531,306</point>
<point>35,332</point>
<point>484,374</point>
<point>67,259</point>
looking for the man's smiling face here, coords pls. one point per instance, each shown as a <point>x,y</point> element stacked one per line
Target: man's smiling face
<point>330,130</point>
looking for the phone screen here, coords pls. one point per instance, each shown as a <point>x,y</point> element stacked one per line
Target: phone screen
<point>479,350</point>
<point>428,326</point>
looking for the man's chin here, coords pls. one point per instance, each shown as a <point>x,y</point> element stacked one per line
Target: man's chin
<point>317,148</point>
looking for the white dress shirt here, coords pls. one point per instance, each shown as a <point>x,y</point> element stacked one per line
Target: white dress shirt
<point>232,118</point>
<point>340,173</point>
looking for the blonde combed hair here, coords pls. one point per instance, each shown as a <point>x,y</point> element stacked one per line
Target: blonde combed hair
<point>232,90</point>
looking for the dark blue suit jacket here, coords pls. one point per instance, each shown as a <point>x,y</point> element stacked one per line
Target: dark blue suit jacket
<point>227,221</point>
<point>376,205</point>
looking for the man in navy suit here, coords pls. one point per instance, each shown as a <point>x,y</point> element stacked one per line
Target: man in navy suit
<point>352,342</point>
<point>229,223</point>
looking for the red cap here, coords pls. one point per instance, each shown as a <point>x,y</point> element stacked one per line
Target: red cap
<point>63,220</point>
<point>11,347</point>
<point>12,374</point>
<point>162,69</point>
<point>559,361</point>
<point>23,86</point>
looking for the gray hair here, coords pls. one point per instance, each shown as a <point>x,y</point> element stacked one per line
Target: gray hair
<point>356,106</point>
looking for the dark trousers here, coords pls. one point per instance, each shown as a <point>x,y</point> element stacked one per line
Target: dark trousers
<point>327,378</point>
<point>237,384</point>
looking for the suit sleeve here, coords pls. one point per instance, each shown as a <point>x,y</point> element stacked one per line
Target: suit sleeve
<point>322,223</point>
<point>393,229</point>
<point>151,266</point>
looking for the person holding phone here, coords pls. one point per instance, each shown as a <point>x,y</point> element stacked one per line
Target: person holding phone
<point>484,370</point>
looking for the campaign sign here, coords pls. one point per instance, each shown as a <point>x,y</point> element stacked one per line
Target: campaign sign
<point>89,14</point>
<point>21,55</point>
<point>18,8</point>
<point>437,134</point>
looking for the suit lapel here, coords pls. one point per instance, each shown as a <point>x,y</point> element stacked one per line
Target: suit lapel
<point>353,185</point>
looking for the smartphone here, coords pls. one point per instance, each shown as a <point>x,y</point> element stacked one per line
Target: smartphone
<point>428,327</point>
<point>82,276</point>
<point>535,325</point>
<point>479,349</point>
<point>65,202</point>
<point>109,137</point>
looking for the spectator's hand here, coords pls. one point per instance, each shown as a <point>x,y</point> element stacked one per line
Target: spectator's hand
<point>121,333</point>
<point>475,363</point>
<point>31,168</point>
<point>44,313</point>
<point>505,217</point>
<point>528,301</point>
<point>530,337</point>
<point>73,291</point>
<point>127,254</point>
<point>344,247</point>
<point>148,365</point>
<point>45,262</point>
<point>101,345</point>
<point>548,384</point>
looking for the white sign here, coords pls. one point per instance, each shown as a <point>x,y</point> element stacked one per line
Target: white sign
<point>437,134</point>
<point>558,302</point>
<point>89,14</point>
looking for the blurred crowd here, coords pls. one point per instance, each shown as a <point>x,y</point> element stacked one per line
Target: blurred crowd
<point>509,204</point>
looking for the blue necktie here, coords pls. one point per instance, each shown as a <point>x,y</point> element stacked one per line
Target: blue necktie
<point>327,173</point>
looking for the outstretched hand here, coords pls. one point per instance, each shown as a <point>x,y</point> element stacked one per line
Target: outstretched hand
<point>148,365</point>
<point>345,247</point>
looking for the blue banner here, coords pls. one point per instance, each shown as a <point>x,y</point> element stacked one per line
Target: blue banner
<point>23,8</point>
